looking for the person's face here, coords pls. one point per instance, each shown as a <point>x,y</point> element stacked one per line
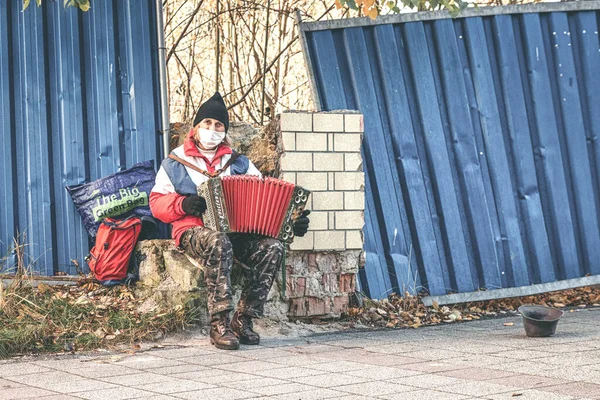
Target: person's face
<point>211,124</point>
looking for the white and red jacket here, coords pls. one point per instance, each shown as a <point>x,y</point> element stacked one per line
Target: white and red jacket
<point>175,181</point>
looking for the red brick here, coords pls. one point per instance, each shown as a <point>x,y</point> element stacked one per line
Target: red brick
<point>297,307</point>
<point>312,263</point>
<point>300,287</point>
<point>330,283</point>
<point>347,283</point>
<point>316,306</point>
<point>340,304</point>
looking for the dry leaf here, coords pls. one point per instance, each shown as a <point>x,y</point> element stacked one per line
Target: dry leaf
<point>371,13</point>
<point>43,288</point>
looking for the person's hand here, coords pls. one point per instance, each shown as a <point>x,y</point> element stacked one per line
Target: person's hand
<point>301,224</point>
<point>194,205</point>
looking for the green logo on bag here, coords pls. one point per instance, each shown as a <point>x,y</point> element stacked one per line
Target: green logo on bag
<point>116,204</point>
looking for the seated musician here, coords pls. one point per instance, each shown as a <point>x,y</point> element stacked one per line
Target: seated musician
<point>206,152</point>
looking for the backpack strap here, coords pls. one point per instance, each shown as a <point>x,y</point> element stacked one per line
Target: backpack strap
<point>218,172</point>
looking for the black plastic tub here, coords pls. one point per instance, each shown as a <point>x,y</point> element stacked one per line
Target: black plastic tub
<point>540,321</point>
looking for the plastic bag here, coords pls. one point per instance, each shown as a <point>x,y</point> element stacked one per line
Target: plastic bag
<point>120,195</point>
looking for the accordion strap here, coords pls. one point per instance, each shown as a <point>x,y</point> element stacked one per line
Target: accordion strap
<point>217,172</point>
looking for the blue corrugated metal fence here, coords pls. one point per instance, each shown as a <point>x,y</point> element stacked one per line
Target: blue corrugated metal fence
<point>481,147</point>
<point>78,101</point>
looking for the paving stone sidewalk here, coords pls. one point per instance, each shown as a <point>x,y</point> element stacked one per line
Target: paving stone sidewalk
<point>474,360</point>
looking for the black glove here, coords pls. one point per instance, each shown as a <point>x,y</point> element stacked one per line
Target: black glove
<point>301,224</point>
<point>194,205</point>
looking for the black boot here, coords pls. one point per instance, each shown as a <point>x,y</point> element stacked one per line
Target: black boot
<point>241,325</point>
<point>220,332</point>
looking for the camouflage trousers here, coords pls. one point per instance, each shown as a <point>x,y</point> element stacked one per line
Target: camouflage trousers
<point>260,257</point>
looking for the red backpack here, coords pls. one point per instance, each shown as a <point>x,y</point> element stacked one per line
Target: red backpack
<point>115,241</point>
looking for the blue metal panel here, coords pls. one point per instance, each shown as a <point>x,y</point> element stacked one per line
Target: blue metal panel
<point>78,101</point>
<point>481,142</point>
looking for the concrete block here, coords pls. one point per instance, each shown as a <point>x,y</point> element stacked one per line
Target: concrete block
<point>303,243</point>
<point>349,180</point>
<point>331,179</point>
<point>352,162</point>
<point>330,141</point>
<point>311,141</point>
<point>296,162</point>
<point>353,123</point>
<point>354,200</point>
<point>349,220</point>
<point>327,201</point>
<point>318,220</point>
<point>347,142</point>
<point>331,221</point>
<point>289,140</point>
<point>181,269</point>
<point>354,240</point>
<point>324,122</point>
<point>330,240</point>
<point>328,162</point>
<point>288,177</point>
<point>149,255</point>
<point>312,180</point>
<point>296,122</point>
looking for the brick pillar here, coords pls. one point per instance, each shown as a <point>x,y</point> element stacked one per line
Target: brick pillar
<point>322,154</point>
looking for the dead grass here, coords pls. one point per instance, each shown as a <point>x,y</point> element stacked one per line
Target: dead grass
<point>42,318</point>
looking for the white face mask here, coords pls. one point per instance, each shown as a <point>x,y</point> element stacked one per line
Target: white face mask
<point>210,139</point>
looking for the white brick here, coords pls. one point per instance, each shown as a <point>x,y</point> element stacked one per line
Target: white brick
<point>330,240</point>
<point>354,200</point>
<point>330,141</point>
<point>327,201</point>
<point>288,177</point>
<point>331,220</point>
<point>352,162</point>
<point>353,123</point>
<point>312,180</point>
<point>354,240</point>
<point>303,243</point>
<point>349,220</point>
<point>311,141</point>
<point>349,180</point>
<point>329,162</point>
<point>328,122</point>
<point>296,162</point>
<point>318,220</point>
<point>331,179</point>
<point>347,142</point>
<point>296,122</point>
<point>289,140</point>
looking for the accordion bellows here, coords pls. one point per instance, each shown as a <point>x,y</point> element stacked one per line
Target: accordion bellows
<point>249,204</point>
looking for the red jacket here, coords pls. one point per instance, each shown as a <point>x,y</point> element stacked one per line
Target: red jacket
<point>165,202</point>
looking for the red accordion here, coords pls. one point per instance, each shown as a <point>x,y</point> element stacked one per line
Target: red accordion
<point>249,204</point>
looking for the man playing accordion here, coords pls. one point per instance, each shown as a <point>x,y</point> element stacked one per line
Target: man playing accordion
<point>174,200</point>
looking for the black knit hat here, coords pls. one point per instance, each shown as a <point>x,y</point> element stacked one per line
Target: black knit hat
<point>213,108</point>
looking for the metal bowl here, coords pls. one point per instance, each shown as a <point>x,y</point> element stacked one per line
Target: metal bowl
<point>540,321</point>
